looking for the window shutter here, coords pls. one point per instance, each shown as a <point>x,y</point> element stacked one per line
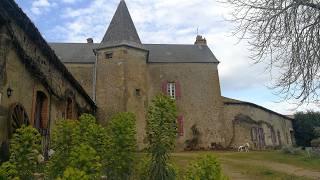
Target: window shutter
<point>180,126</point>
<point>164,87</point>
<point>178,90</point>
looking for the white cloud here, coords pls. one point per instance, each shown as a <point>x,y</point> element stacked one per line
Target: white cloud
<point>40,6</point>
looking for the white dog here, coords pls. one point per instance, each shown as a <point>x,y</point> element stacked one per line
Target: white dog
<point>244,147</point>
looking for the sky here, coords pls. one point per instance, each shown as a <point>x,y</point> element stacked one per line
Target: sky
<point>168,22</point>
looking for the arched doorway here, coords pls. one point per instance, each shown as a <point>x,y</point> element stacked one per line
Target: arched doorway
<point>41,113</point>
<point>17,117</point>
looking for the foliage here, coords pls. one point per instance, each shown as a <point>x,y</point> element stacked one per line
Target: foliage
<point>8,170</point>
<point>315,142</point>
<point>74,174</point>
<point>24,150</point>
<point>161,133</point>
<point>206,167</point>
<point>77,144</point>
<point>85,159</point>
<point>65,136</point>
<point>281,34</point>
<point>193,143</point>
<point>316,131</point>
<point>121,146</point>
<point>303,125</point>
<point>292,150</point>
<point>141,169</point>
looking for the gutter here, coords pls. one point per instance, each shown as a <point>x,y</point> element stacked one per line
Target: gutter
<point>94,77</point>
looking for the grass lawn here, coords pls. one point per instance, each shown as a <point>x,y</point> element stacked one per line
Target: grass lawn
<point>254,165</point>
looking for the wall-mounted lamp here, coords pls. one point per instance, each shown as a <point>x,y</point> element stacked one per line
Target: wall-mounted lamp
<point>9,92</point>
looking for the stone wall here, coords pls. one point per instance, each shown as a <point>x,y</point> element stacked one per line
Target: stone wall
<point>200,102</point>
<point>240,118</point>
<point>118,79</point>
<point>84,73</point>
<point>28,71</point>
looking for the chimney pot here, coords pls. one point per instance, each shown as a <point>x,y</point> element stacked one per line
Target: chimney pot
<point>200,40</point>
<point>90,40</point>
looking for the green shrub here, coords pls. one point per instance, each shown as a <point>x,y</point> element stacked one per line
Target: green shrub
<point>85,138</point>
<point>8,170</point>
<point>121,146</point>
<point>85,159</point>
<point>74,174</point>
<point>205,168</point>
<point>65,136</point>
<point>25,146</point>
<point>315,143</point>
<point>161,134</point>
<point>292,150</point>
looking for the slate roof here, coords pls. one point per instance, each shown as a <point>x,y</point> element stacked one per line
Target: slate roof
<point>158,53</point>
<point>75,52</point>
<point>230,101</point>
<point>121,29</point>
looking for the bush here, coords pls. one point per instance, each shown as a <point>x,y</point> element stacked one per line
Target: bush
<point>74,174</point>
<point>292,150</point>
<point>79,145</point>
<point>315,143</point>
<point>25,146</point>
<point>161,135</point>
<point>206,167</point>
<point>121,146</point>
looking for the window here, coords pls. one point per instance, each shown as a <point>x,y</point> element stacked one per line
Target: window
<point>108,55</point>
<point>138,92</point>
<point>171,90</point>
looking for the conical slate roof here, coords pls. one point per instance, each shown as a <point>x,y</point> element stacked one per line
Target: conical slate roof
<point>121,30</point>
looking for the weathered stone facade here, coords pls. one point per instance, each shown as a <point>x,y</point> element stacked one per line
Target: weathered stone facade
<point>122,74</point>
<point>36,88</point>
<point>128,74</point>
<point>245,121</point>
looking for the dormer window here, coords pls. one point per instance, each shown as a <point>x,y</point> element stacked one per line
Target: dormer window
<point>108,55</point>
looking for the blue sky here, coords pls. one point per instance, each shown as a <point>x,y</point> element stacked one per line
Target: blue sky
<point>166,21</point>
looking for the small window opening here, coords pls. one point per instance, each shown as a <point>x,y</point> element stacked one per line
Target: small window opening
<point>69,110</point>
<point>108,55</point>
<point>171,90</point>
<point>138,92</point>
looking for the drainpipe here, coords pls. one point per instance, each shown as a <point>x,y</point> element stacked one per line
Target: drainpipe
<point>94,77</point>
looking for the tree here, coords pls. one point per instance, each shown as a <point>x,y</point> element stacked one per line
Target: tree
<point>161,134</point>
<point>25,147</point>
<point>285,34</point>
<point>304,127</point>
<point>121,147</point>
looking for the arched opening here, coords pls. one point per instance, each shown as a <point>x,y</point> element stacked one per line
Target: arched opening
<point>17,117</point>
<point>41,112</point>
<point>69,108</point>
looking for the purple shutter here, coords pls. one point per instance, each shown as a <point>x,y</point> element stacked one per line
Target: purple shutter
<point>180,126</point>
<point>164,87</point>
<point>178,90</point>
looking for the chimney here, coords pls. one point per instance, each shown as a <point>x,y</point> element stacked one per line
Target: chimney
<point>90,41</point>
<point>200,40</point>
